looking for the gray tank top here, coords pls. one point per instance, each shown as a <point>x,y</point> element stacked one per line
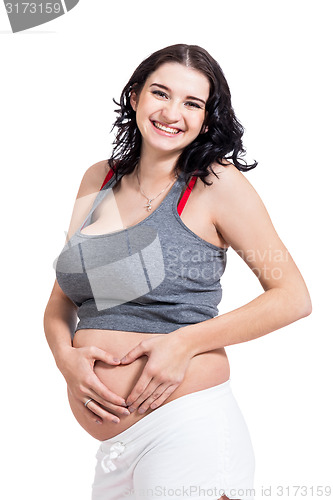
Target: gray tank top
<point>153,277</point>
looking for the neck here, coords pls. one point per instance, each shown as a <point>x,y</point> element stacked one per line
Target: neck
<point>155,171</point>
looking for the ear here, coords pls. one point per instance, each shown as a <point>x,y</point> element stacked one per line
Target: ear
<point>133,100</point>
<point>204,127</point>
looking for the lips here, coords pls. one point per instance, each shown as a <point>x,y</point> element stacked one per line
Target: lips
<point>165,128</point>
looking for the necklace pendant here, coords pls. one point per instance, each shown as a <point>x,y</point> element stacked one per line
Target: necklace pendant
<point>148,206</point>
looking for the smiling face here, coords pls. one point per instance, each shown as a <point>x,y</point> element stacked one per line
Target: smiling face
<point>170,109</point>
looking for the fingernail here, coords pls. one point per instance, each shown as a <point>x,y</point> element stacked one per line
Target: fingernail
<point>131,409</point>
<point>126,412</point>
<point>116,360</point>
<point>141,410</point>
<point>124,404</point>
<point>115,420</point>
<point>98,421</point>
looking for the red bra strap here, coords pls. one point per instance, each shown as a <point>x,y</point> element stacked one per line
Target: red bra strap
<point>107,178</point>
<point>183,200</point>
<point>186,194</point>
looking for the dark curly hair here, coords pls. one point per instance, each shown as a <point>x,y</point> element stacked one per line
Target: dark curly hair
<point>224,135</point>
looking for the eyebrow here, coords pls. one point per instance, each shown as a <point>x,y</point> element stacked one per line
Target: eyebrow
<point>188,97</point>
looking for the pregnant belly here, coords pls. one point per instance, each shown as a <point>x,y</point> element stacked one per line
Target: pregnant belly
<point>205,370</point>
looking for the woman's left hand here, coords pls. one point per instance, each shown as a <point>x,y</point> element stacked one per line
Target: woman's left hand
<point>164,371</point>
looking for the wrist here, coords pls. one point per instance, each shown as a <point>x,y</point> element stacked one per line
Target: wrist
<point>184,342</point>
<point>62,357</point>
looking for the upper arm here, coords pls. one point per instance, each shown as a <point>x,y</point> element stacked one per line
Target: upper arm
<point>90,185</point>
<point>241,217</point>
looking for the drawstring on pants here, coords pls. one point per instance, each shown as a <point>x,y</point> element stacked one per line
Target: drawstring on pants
<point>114,452</point>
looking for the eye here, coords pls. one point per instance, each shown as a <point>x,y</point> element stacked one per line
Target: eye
<point>194,105</point>
<point>159,93</point>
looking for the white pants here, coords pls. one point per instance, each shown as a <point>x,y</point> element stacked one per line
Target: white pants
<point>197,447</point>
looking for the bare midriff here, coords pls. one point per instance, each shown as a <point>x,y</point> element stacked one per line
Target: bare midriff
<point>204,370</point>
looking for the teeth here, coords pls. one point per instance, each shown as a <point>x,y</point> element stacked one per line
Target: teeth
<point>166,129</point>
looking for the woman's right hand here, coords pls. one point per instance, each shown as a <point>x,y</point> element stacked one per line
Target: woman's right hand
<point>77,367</point>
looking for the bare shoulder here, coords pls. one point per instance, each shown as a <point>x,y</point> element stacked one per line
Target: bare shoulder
<point>93,178</point>
<point>231,190</point>
<point>238,212</point>
<point>90,185</point>
<point>227,178</point>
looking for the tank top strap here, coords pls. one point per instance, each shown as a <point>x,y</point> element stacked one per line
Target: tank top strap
<point>108,183</point>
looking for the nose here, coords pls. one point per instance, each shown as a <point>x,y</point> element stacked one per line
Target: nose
<point>171,111</point>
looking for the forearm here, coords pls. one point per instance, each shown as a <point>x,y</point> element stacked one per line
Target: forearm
<point>59,325</point>
<point>268,312</point>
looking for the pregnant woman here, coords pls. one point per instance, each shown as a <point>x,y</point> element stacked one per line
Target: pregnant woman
<point>145,365</point>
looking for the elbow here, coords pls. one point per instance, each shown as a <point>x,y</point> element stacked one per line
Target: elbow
<point>303,305</point>
<point>307,307</point>
<point>305,301</point>
<point>297,303</point>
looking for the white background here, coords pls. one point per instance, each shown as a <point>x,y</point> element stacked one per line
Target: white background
<point>56,92</point>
